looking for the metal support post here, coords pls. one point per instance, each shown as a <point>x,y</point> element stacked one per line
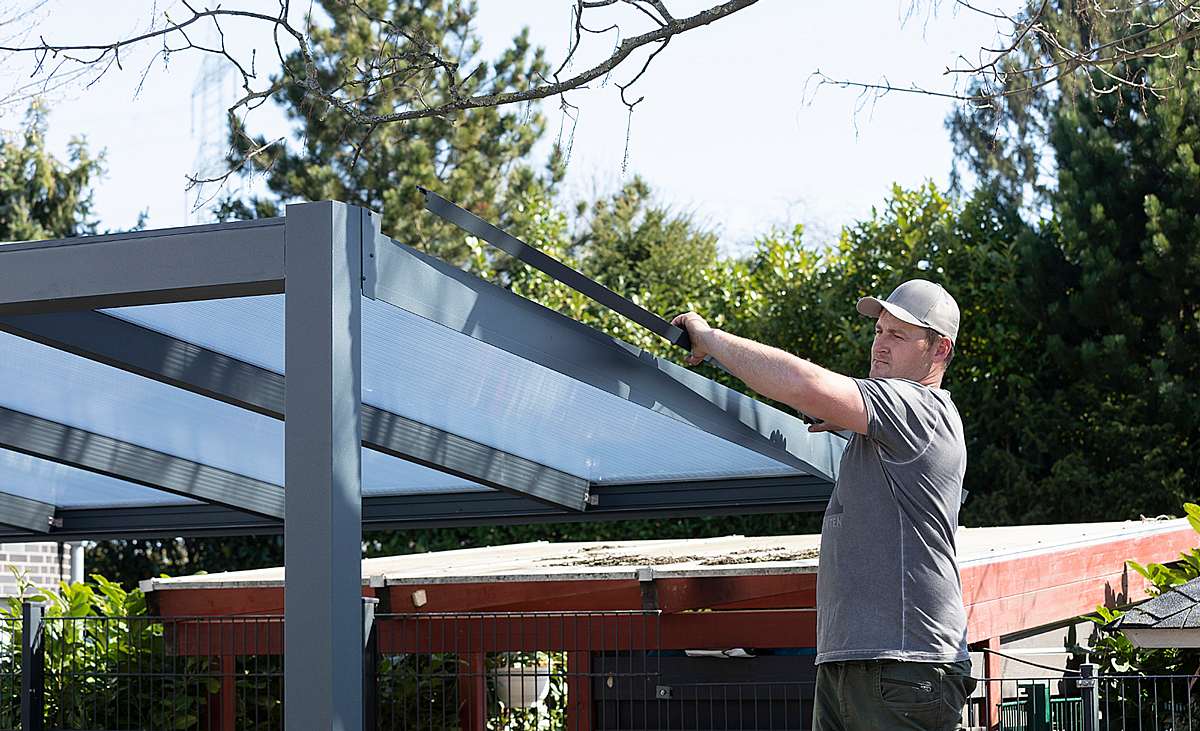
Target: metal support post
<point>370,668</point>
<point>1089,696</point>
<point>323,469</point>
<point>33,667</point>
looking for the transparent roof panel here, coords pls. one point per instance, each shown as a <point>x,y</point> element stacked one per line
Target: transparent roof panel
<point>69,487</point>
<point>436,376</point>
<point>109,401</point>
<point>383,474</point>
<point>45,382</point>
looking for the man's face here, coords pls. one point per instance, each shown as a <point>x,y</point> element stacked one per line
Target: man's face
<point>900,350</point>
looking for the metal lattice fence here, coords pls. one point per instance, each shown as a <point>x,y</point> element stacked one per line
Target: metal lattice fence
<point>10,674</point>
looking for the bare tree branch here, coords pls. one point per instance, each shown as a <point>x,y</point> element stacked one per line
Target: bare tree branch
<point>1035,54</point>
<point>401,58</point>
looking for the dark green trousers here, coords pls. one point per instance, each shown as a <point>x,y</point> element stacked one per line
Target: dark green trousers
<point>879,695</point>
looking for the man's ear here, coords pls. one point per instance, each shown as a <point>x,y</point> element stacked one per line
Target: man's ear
<point>944,346</point>
<point>941,350</point>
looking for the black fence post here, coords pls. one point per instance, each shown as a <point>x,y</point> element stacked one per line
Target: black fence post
<point>33,667</point>
<point>370,668</point>
<point>1089,697</point>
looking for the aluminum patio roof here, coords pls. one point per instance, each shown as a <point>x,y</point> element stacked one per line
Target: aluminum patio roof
<point>142,393</point>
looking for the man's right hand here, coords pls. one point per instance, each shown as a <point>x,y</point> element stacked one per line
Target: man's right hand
<point>700,333</point>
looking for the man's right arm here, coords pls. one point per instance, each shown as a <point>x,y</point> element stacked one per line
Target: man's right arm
<point>805,386</point>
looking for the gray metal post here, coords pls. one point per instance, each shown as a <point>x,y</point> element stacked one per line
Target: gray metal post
<point>322,469</point>
<point>33,667</point>
<point>1089,697</point>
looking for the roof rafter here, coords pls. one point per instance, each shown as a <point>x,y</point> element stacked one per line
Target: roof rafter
<point>145,352</point>
<point>49,440</point>
<point>25,513</point>
<point>800,493</point>
<point>142,267</point>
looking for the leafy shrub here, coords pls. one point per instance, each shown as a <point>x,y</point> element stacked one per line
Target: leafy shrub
<point>107,664</point>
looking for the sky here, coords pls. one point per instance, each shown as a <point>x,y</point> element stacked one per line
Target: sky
<point>733,128</point>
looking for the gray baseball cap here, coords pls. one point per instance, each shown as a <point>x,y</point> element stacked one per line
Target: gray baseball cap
<point>918,302</point>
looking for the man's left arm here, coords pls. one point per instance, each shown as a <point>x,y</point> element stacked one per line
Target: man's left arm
<point>805,386</point>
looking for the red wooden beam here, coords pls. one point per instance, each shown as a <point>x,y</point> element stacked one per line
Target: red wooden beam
<point>228,693</point>
<point>1039,607</point>
<point>520,632</point>
<point>993,692</point>
<point>598,633</point>
<point>602,595</point>
<point>472,693</point>
<point>579,691</point>
<point>674,594</point>
<point>236,601</point>
<point>768,591</point>
<point>1022,574</point>
<point>224,637</point>
<point>1023,592</point>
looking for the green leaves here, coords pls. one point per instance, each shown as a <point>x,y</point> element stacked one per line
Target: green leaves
<point>1193,515</point>
<point>99,645</point>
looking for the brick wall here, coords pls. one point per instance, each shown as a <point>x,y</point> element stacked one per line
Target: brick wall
<point>43,563</point>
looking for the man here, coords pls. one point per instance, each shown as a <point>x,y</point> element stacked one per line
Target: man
<point>891,630</point>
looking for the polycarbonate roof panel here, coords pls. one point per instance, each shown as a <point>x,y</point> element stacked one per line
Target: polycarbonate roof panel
<point>383,474</point>
<point>81,393</point>
<point>69,487</point>
<point>45,382</point>
<point>434,375</point>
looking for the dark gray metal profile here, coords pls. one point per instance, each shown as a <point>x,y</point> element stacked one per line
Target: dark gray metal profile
<point>133,348</point>
<point>25,513</point>
<point>323,467</point>
<point>33,666</point>
<point>143,267</point>
<point>798,493</point>
<point>547,264</point>
<point>104,455</point>
<point>437,291</point>
<point>462,457</point>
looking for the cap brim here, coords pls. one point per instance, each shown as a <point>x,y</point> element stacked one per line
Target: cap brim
<point>873,307</point>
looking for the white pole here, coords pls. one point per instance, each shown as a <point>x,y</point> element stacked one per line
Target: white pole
<point>76,563</point>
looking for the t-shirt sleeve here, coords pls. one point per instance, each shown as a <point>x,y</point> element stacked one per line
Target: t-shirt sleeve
<point>901,416</point>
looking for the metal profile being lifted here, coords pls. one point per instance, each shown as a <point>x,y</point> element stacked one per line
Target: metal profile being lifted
<point>547,264</point>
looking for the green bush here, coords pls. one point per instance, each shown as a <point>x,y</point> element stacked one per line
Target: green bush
<point>1114,654</point>
<point>107,664</point>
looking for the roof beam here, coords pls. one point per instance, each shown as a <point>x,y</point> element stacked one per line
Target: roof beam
<point>24,513</point>
<point>143,267</point>
<point>97,453</point>
<point>151,354</point>
<point>437,291</point>
<point>801,493</point>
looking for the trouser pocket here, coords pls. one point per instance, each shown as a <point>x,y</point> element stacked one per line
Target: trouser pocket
<point>910,683</point>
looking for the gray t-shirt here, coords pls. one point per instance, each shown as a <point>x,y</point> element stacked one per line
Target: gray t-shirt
<point>888,583</point>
